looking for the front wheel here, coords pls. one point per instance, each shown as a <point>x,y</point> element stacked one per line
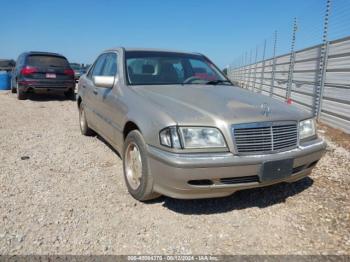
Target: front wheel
<point>138,178</point>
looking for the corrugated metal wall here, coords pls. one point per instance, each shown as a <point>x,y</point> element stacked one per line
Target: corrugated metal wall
<point>271,78</point>
<point>336,96</point>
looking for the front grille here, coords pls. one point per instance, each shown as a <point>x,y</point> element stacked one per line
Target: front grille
<point>265,137</point>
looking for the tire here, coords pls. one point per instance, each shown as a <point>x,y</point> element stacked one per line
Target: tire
<point>70,94</point>
<point>21,95</point>
<point>13,89</point>
<point>84,127</point>
<point>139,186</point>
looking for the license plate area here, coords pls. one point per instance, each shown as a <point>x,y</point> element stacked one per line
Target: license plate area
<point>273,170</point>
<point>50,75</point>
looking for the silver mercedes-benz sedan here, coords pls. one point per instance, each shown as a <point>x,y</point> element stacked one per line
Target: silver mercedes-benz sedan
<point>183,130</point>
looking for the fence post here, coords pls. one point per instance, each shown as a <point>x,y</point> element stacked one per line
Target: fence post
<point>246,70</point>
<point>319,87</point>
<point>236,72</point>
<point>273,64</point>
<point>250,68</point>
<point>262,68</point>
<point>291,62</point>
<point>256,60</point>
<point>231,71</point>
<point>242,72</point>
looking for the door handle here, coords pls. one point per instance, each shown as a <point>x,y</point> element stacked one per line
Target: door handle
<point>83,86</point>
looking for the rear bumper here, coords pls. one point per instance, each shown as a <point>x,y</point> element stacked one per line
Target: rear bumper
<point>226,172</point>
<point>46,85</point>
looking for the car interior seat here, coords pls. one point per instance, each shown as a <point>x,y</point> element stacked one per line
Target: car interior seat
<point>168,73</point>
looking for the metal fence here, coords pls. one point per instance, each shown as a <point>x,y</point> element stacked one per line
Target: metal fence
<point>316,78</point>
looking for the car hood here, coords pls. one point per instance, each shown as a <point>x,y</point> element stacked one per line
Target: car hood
<point>208,104</point>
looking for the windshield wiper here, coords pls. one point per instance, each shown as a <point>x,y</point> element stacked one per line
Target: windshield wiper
<point>216,82</point>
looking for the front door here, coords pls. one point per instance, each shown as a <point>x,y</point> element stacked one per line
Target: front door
<point>107,99</point>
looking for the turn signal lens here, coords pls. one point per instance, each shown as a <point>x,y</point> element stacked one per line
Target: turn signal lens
<point>169,137</point>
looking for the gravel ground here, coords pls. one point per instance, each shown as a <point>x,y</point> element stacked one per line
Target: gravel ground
<point>63,193</point>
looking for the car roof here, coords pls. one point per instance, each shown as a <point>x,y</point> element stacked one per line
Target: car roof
<point>128,49</point>
<point>42,53</point>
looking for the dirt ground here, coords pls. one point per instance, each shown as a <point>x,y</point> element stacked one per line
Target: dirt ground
<point>63,193</point>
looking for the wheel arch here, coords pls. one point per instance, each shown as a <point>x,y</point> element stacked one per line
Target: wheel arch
<point>79,100</point>
<point>128,127</point>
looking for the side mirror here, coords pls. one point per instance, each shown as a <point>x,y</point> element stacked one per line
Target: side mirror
<point>104,81</point>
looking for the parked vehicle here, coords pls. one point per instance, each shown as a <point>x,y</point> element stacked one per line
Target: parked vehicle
<point>183,130</point>
<point>7,65</point>
<point>79,70</point>
<point>42,71</point>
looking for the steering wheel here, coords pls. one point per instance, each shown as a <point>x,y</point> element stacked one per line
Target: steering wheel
<point>191,79</point>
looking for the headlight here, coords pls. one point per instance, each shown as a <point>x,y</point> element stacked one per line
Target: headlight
<point>201,137</point>
<point>307,128</point>
<point>192,137</point>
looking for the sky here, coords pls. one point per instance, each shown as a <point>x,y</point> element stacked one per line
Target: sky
<point>221,29</point>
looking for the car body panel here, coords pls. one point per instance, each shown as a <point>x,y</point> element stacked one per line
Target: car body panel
<point>204,104</point>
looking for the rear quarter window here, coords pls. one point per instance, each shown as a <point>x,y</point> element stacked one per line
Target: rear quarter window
<point>44,60</point>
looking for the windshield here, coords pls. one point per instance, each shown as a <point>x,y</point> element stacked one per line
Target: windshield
<point>159,68</point>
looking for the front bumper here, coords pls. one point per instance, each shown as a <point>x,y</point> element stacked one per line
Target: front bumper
<point>222,174</point>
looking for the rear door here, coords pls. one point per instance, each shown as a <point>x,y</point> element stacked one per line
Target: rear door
<point>50,69</point>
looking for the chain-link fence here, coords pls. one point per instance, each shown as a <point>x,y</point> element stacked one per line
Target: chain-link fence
<point>314,73</point>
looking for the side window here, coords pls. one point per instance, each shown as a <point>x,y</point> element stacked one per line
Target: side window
<point>19,61</point>
<point>96,69</point>
<point>24,60</point>
<point>179,70</point>
<point>90,71</point>
<point>110,67</point>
